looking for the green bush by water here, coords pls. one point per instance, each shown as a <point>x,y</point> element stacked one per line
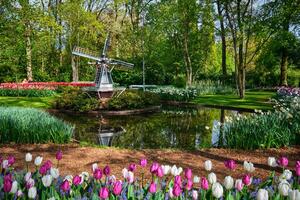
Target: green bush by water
<point>26,93</point>
<point>29,125</point>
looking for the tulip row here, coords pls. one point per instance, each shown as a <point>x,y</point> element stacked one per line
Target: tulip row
<point>43,85</point>
<point>166,183</point>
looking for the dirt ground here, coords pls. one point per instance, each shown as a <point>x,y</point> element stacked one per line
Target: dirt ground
<point>77,159</point>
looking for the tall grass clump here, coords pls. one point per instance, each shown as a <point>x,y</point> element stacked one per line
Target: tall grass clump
<point>29,125</point>
<point>266,129</point>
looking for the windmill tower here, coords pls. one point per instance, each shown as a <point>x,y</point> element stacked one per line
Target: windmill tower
<point>104,67</point>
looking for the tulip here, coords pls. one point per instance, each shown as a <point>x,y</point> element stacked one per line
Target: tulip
<point>85,175</point>
<point>54,173</point>
<point>32,193</point>
<point>27,176</point>
<point>174,170</point>
<point>204,183</point>
<point>69,178</point>
<point>143,162</point>
<point>117,189</point>
<point>58,155</point>
<point>217,190</point>
<point>47,180</point>
<point>212,178</point>
<point>94,166</point>
<point>230,164</point>
<point>176,190</point>
<point>19,193</point>
<point>152,187</point>
<point>65,186</point>
<point>249,167</point>
<point>103,193</point>
<point>154,167</point>
<point>7,183</point>
<point>5,164</point>
<point>38,161</point>
<point>159,172</point>
<point>189,184</point>
<point>48,164</point>
<point>178,180</point>
<point>247,179</point>
<point>77,180</point>
<point>30,183</point>
<point>188,173</point>
<point>166,169</point>
<point>28,157</point>
<point>194,194</point>
<point>98,174</point>
<point>239,184</point>
<point>171,193</point>
<point>228,182</point>
<point>106,170</point>
<point>130,177</point>
<point>125,173</point>
<point>287,175</point>
<point>298,168</point>
<point>262,194</point>
<point>11,160</point>
<point>196,179</point>
<point>272,162</point>
<point>208,165</point>
<point>14,187</point>
<point>294,194</point>
<point>284,188</point>
<point>283,161</point>
<point>132,167</point>
<point>43,170</point>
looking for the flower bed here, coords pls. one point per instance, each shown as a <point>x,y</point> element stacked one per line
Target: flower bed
<point>288,91</point>
<point>41,180</point>
<point>43,85</point>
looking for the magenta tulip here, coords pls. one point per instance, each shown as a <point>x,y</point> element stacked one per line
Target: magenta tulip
<point>154,167</point>
<point>188,173</point>
<point>11,160</point>
<point>98,174</point>
<point>58,155</point>
<point>43,170</point>
<point>76,180</point>
<point>117,188</point>
<point>7,183</point>
<point>65,186</point>
<point>176,190</point>
<point>132,167</point>
<point>230,164</point>
<point>159,172</point>
<point>283,161</point>
<point>48,164</point>
<point>298,168</point>
<point>204,183</point>
<point>246,179</point>
<point>178,180</point>
<point>189,184</point>
<point>152,188</point>
<point>104,193</point>
<point>143,162</point>
<point>106,170</point>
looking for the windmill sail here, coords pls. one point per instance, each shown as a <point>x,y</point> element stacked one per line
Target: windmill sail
<point>78,51</point>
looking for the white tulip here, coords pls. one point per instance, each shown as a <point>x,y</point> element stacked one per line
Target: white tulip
<point>179,170</point>
<point>27,176</point>
<point>249,167</point>
<point>217,190</point>
<point>14,187</point>
<point>196,179</point>
<point>294,194</point>
<point>69,178</point>
<point>286,175</point>
<point>130,177</point>
<point>47,180</point>
<point>208,165</point>
<point>54,172</point>
<point>5,164</point>
<point>262,194</point>
<point>125,173</point>
<point>284,188</point>
<point>28,157</point>
<point>174,170</point>
<point>85,175</point>
<point>228,182</point>
<point>272,162</point>
<point>52,198</point>
<point>171,193</point>
<point>195,194</point>
<point>166,169</point>
<point>38,161</point>
<point>94,166</point>
<point>212,178</point>
<point>32,193</point>
<point>30,183</point>
<point>19,193</point>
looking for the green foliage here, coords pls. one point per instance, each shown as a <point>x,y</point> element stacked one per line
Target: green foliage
<point>29,125</point>
<point>26,93</point>
<point>212,87</point>
<point>133,99</point>
<point>175,94</point>
<point>180,81</point>
<point>73,98</point>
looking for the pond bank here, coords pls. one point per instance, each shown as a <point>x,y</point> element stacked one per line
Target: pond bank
<point>77,159</point>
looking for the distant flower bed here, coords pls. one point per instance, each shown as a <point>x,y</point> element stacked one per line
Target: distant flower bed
<point>168,182</point>
<point>288,91</point>
<point>27,92</point>
<point>175,94</point>
<point>42,85</point>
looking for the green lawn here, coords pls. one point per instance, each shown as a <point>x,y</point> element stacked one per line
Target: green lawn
<point>253,100</point>
<point>33,102</point>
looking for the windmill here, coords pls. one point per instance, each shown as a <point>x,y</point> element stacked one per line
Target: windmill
<point>104,66</point>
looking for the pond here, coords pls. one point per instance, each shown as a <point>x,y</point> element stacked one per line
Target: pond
<point>172,127</point>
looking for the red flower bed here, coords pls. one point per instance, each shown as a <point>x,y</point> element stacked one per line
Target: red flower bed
<point>43,85</point>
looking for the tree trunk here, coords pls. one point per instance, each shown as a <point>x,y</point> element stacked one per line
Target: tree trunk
<point>188,63</point>
<point>284,59</point>
<point>28,53</point>
<point>74,70</point>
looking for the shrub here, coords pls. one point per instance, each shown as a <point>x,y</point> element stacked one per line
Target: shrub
<point>180,81</point>
<point>73,98</point>
<point>133,99</point>
<point>29,125</point>
<point>26,93</point>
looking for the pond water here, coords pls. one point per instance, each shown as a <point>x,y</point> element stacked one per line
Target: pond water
<point>172,127</point>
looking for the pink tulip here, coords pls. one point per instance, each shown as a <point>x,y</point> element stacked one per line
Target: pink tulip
<point>178,180</point>
<point>132,167</point>
<point>154,167</point>
<point>298,168</point>
<point>76,180</point>
<point>189,184</point>
<point>43,170</point>
<point>188,173</point>
<point>152,188</point>
<point>159,172</point>
<point>11,160</point>
<point>58,155</point>
<point>298,164</point>
<point>230,164</point>
<point>48,164</point>
<point>65,186</point>
<point>204,183</point>
<point>7,183</point>
<point>117,189</point>
<point>283,161</point>
<point>246,179</point>
<point>98,174</point>
<point>104,193</point>
<point>239,185</point>
<point>143,162</point>
<point>106,170</point>
<point>176,190</point>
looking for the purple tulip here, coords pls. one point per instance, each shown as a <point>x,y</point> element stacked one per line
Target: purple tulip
<point>159,172</point>
<point>43,170</point>
<point>152,188</point>
<point>104,193</point>
<point>117,188</point>
<point>98,174</point>
<point>106,170</point>
<point>65,186</point>
<point>298,168</point>
<point>178,180</point>
<point>246,179</point>
<point>298,164</point>
<point>7,183</point>
<point>11,160</point>
<point>48,164</point>
<point>132,167</point>
<point>143,162</point>
<point>283,161</point>
<point>154,167</point>
<point>58,155</point>
<point>189,184</point>
<point>76,180</point>
<point>176,190</point>
<point>204,183</point>
<point>188,173</point>
<point>230,164</point>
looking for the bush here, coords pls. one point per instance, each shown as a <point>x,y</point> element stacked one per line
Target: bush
<point>26,93</point>
<point>29,125</point>
<point>73,98</point>
<point>180,81</point>
<point>133,99</point>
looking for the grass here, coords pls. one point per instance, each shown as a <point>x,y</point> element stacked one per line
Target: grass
<point>33,102</point>
<point>252,100</point>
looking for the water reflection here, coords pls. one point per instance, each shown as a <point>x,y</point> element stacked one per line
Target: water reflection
<point>184,128</point>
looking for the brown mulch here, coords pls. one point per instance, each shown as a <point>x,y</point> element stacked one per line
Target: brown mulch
<point>77,159</point>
